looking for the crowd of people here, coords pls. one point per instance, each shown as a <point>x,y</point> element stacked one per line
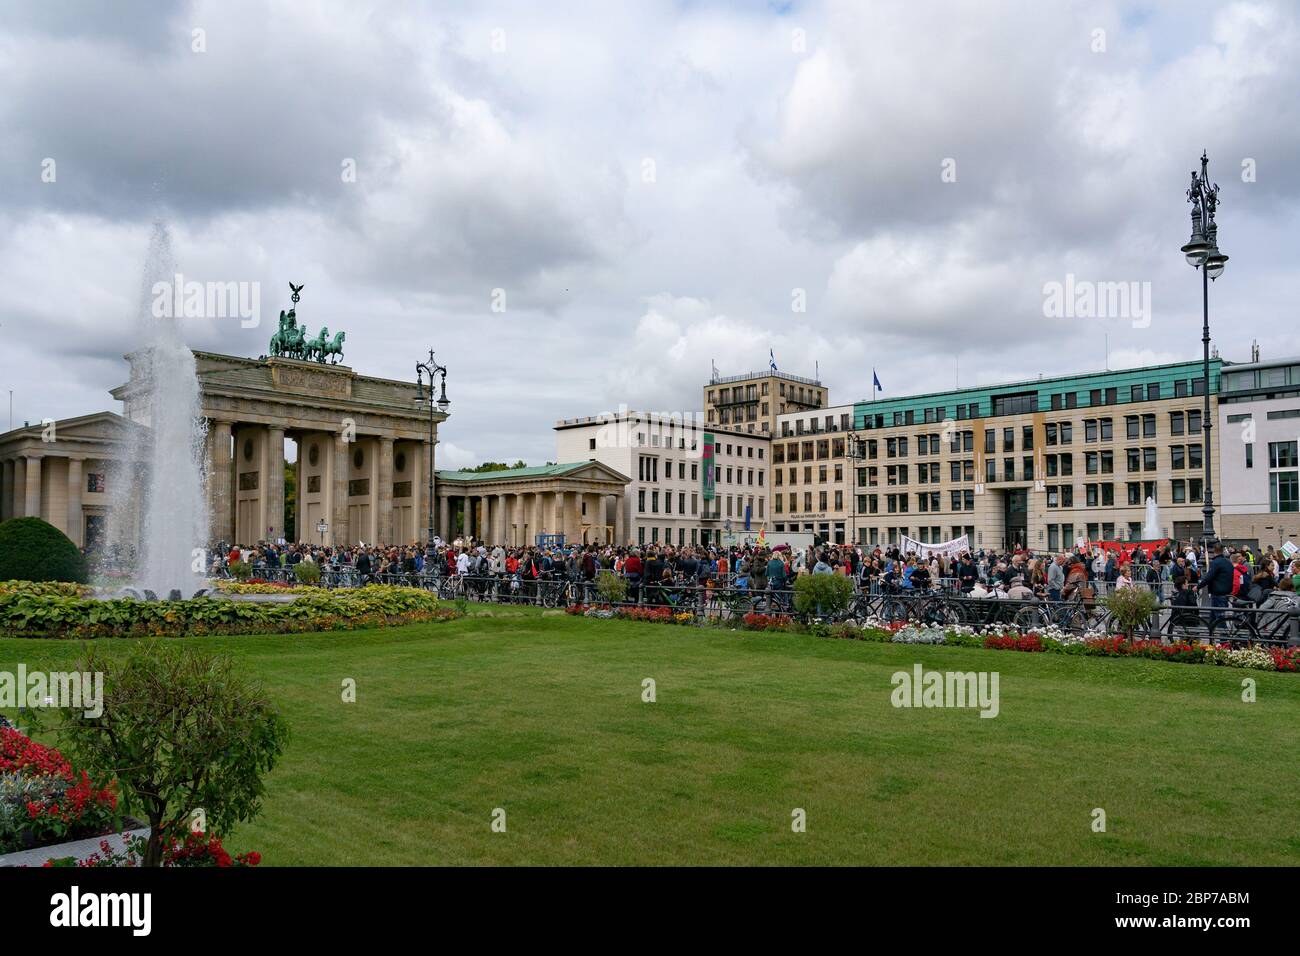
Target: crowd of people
<point>1182,572</point>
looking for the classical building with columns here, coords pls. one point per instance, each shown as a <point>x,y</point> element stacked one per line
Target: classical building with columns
<point>64,472</point>
<point>364,447</point>
<point>582,501</point>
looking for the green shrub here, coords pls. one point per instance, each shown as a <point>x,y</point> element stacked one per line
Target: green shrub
<point>307,572</point>
<point>611,587</point>
<point>1131,608</point>
<point>822,594</point>
<point>24,614</point>
<point>35,550</point>
<point>180,732</point>
<point>241,570</point>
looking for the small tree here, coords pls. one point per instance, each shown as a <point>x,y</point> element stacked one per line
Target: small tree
<point>307,572</point>
<point>1131,607</point>
<point>611,588</point>
<point>180,731</point>
<point>822,594</point>
<point>241,570</point>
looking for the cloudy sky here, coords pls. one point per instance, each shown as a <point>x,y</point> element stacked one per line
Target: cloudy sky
<point>652,186</point>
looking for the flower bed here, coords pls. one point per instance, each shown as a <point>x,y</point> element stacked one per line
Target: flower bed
<point>1050,639</point>
<point>34,613</point>
<point>263,586</point>
<point>44,801</point>
<point>195,849</point>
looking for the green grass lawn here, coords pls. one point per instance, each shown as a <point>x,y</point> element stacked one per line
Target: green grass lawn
<point>542,716</point>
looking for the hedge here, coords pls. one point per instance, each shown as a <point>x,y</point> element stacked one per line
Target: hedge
<point>35,550</point>
<point>31,611</point>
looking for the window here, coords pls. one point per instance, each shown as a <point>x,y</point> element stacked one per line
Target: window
<point>1178,487</point>
<point>1008,439</point>
<point>1281,454</point>
<point>1175,423</point>
<point>990,441</point>
<point>1180,388</point>
<point>1153,391</point>
<point>1067,432</point>
<point>1131,426</point>
<point>1148,426</point>
<point>1107,432</point>
<point>1284,491</point>
<point>1194,459</point>
<point>1135,492</point>
<point>1090,429</point>
<point>1177,457</point>
<point>1108,495</point>
<point>1148,459</point>
<point>1027,438</point>
<point>1136,393</point>
<point>1049,433</point>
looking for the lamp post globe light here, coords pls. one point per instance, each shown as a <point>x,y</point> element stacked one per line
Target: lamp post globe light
<point>1202,252</point>
<point>425,399</point>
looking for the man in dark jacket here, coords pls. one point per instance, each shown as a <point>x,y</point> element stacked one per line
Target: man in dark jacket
<point>1218,581</point>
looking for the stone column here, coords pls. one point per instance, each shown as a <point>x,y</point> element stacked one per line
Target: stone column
<point>273,496</point>
<point>517,518</point>
<point>76,531</point>
<point>602,519</point>
<point>573,516</point>
<point>620,531</point>
<point>468,511</point>
<point>503,521</point>
<point>339,490</point>
<point>32,505</point>
<point>6,489</point>
<point>17,495</point>
<point>485,520</point>
<point>219,467</point>
<point>383,497</point>
<point>444,517</point>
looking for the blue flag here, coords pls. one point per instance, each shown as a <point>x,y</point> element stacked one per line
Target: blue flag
<point>748,509</point>
<point>875,381</point>
<point>772,356</point>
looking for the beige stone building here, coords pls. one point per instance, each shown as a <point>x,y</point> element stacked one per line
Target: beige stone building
<point>812,473</point>
<point>753,402</point>
<point>363,448</point>
<point>65,471</point>
<point>1041,463</point>
<point>583,501</point>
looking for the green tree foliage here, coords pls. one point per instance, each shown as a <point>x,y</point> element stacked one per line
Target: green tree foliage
<point>180,732</point>
<point>822,594</point>
<point>496,466</point>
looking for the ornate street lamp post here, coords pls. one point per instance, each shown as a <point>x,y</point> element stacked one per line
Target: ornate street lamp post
<point>423,399</point>
<point>1202,252</point>
<point>321,527</point>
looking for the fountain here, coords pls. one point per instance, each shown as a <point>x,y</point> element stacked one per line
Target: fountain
<point>1151,526</point>
<point>172,506</point>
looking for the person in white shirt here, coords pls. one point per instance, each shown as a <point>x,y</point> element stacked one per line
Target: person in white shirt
<point>980,591</point>
<point>462,563</point>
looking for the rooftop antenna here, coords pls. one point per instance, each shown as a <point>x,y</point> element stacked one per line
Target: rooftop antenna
<point>1254,350</point>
